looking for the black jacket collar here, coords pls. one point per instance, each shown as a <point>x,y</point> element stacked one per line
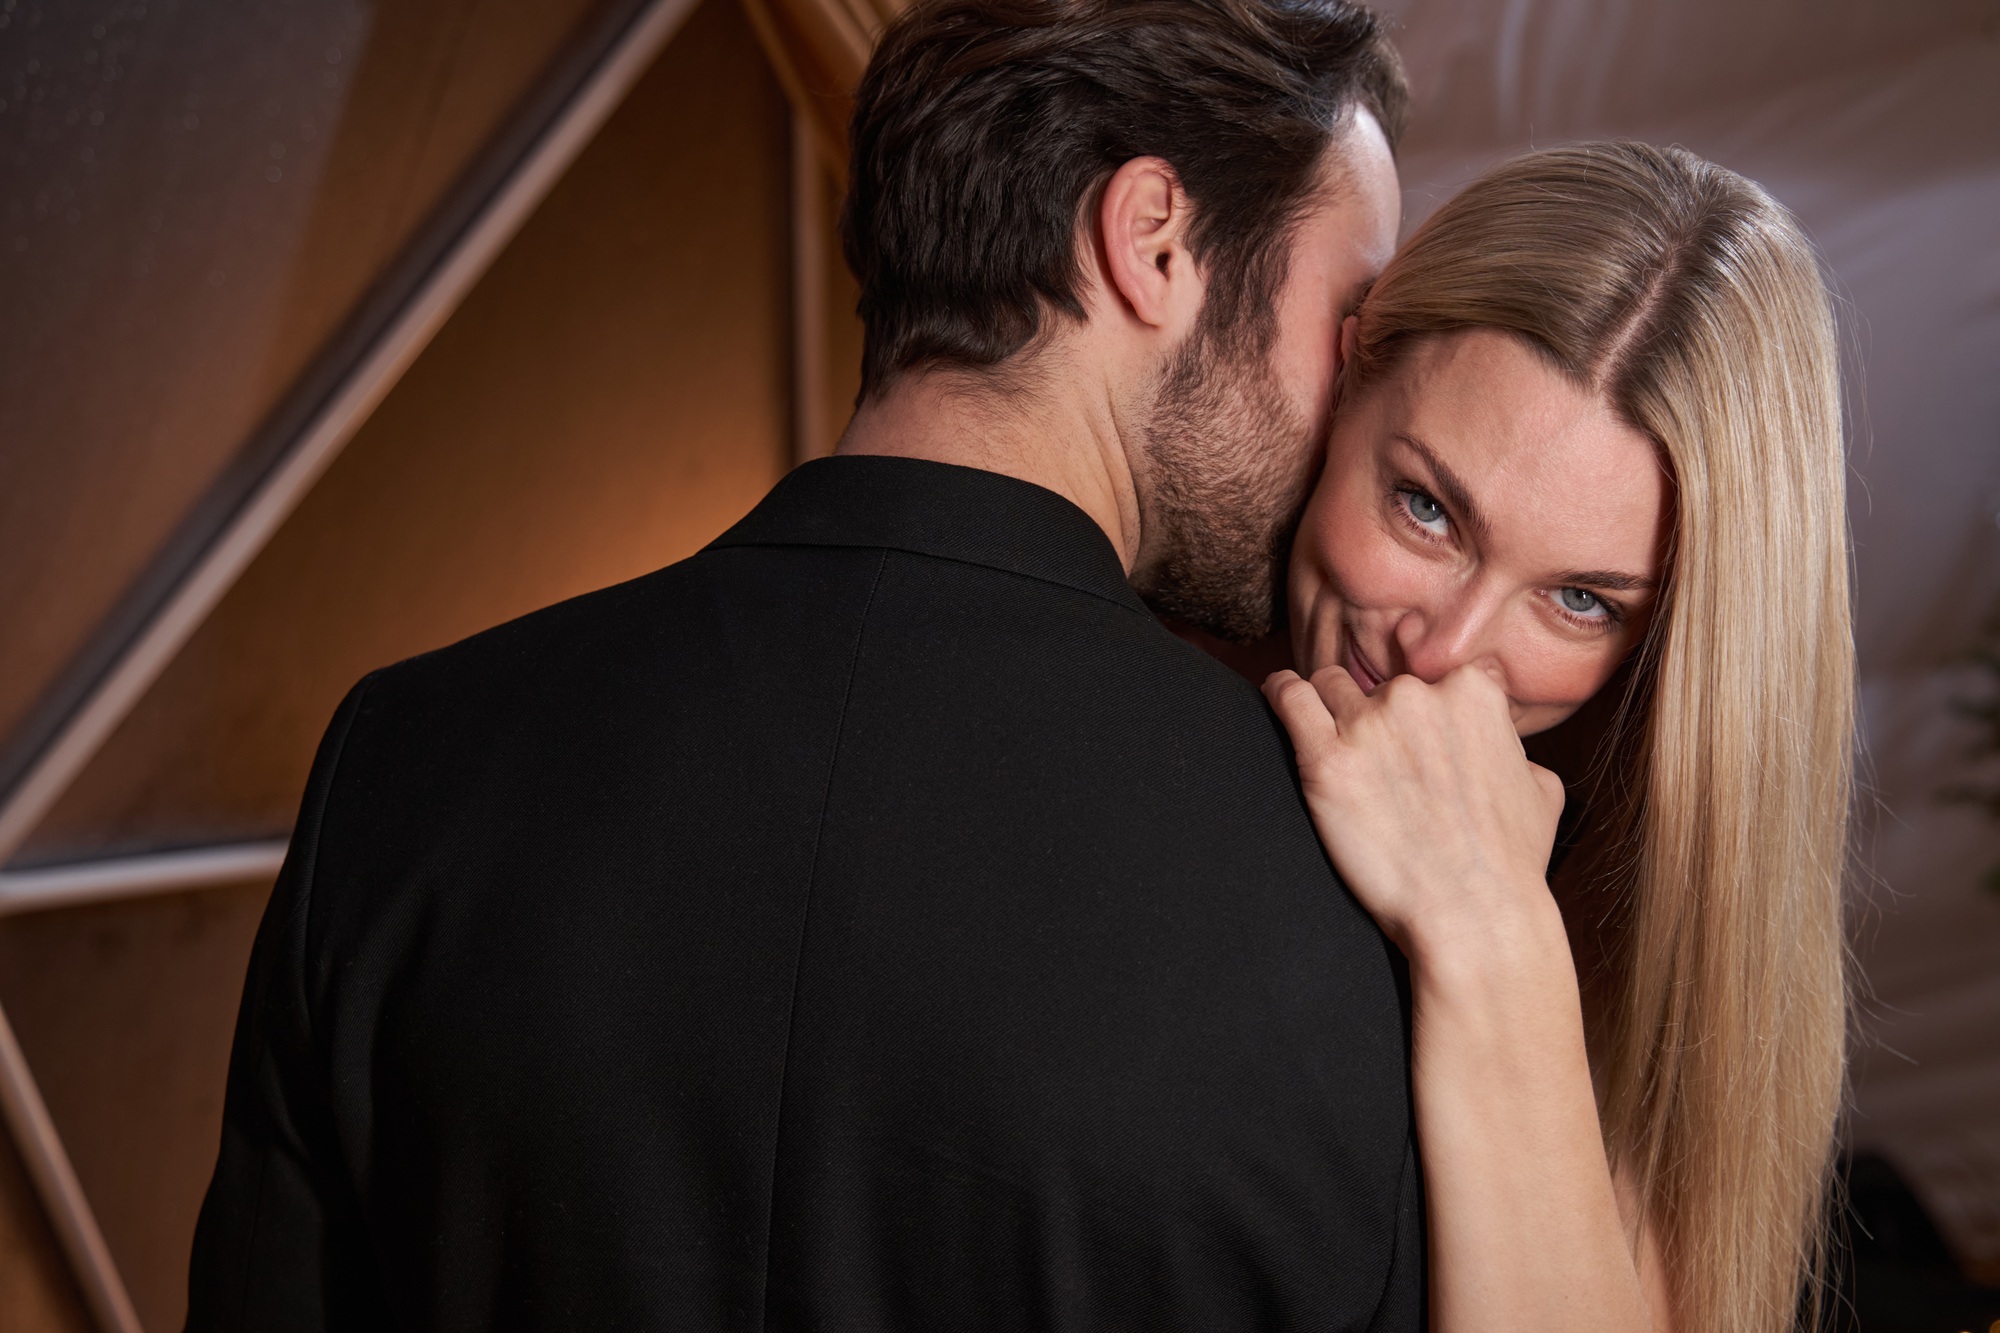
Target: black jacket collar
<point>938,509</point>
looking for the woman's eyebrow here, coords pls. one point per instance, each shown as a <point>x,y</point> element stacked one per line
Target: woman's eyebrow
<point>1455,493</point>
<point>1447,481</point>
<point>1608,579</point>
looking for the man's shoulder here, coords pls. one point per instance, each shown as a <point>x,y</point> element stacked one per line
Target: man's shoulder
<point>995,642</point>
<point>727,591</point>
<point>937,650</point>
<point>596,639</point>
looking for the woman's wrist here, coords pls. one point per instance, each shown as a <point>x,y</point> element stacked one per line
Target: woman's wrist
<point>1499,945</point>
<point>1498,1029</point>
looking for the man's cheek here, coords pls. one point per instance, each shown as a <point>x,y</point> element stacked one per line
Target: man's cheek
<point>1303,362</point>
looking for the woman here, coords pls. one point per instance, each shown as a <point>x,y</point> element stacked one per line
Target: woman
<point>1587,465</point>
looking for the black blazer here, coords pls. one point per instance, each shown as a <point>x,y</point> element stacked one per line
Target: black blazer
<point>875,922</point>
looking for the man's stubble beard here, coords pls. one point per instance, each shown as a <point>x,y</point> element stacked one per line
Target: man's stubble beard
<point>1229,463</point>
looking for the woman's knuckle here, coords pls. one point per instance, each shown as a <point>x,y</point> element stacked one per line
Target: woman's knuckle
<point>1296,693</point>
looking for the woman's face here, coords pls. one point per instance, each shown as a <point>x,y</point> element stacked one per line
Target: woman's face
<point>1479,508</point>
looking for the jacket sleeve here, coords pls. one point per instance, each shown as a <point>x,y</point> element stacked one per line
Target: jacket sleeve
<point>280,1244</point>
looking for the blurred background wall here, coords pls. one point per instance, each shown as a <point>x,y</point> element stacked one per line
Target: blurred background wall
<point>335,331</point>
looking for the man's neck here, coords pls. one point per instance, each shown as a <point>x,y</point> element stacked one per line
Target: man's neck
<point>1068,441</point>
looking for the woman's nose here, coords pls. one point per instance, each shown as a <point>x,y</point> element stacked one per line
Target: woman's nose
<point>1436,640</point>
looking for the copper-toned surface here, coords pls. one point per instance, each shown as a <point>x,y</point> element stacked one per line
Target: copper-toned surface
<point>841,327</point>
<point>36,1293</point>
<point>819,49</point>
<point>124,1011</point>
<point>323,411</point>
<point>610,397</point>
<point>195,197</point>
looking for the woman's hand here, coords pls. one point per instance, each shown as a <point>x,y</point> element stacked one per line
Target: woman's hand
<point>1442,828</point>
<point>1426,801</point>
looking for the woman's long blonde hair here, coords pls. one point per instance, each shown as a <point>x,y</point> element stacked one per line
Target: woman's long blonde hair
<point>1689,298</point>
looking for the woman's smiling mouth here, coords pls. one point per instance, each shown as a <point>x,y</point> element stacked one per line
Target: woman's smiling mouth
<point>1358,666</point>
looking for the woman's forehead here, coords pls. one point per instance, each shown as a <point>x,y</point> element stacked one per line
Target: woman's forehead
<point>1542,463</point>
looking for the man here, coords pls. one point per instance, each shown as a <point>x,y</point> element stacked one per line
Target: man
<point>878,921</point>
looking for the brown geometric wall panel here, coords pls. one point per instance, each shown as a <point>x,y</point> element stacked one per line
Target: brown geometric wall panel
<point>37,1294</point>
<point>124,1011</point>
<point>194,197</point>
<point>610,397</point>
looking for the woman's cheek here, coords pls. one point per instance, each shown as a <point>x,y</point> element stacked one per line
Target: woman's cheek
<point>1311,591</point>
<point>1371,569</point>
<point>1548,682</point>
<point>1315,610</point>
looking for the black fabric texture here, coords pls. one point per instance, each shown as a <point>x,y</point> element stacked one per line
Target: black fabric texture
<point>875,922</point>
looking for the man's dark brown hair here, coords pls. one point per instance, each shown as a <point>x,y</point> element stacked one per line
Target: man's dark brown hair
<point>984,129</point>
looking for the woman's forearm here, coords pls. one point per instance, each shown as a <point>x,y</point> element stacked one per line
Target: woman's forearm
<point>1442,829</point>
<point>1524,1223</point>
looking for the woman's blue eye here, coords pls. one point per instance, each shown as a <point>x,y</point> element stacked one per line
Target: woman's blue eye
<point>1427,512</point>
<point>1580,603</point>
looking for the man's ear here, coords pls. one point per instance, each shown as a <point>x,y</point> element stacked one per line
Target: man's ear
<point>1143,226</point>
